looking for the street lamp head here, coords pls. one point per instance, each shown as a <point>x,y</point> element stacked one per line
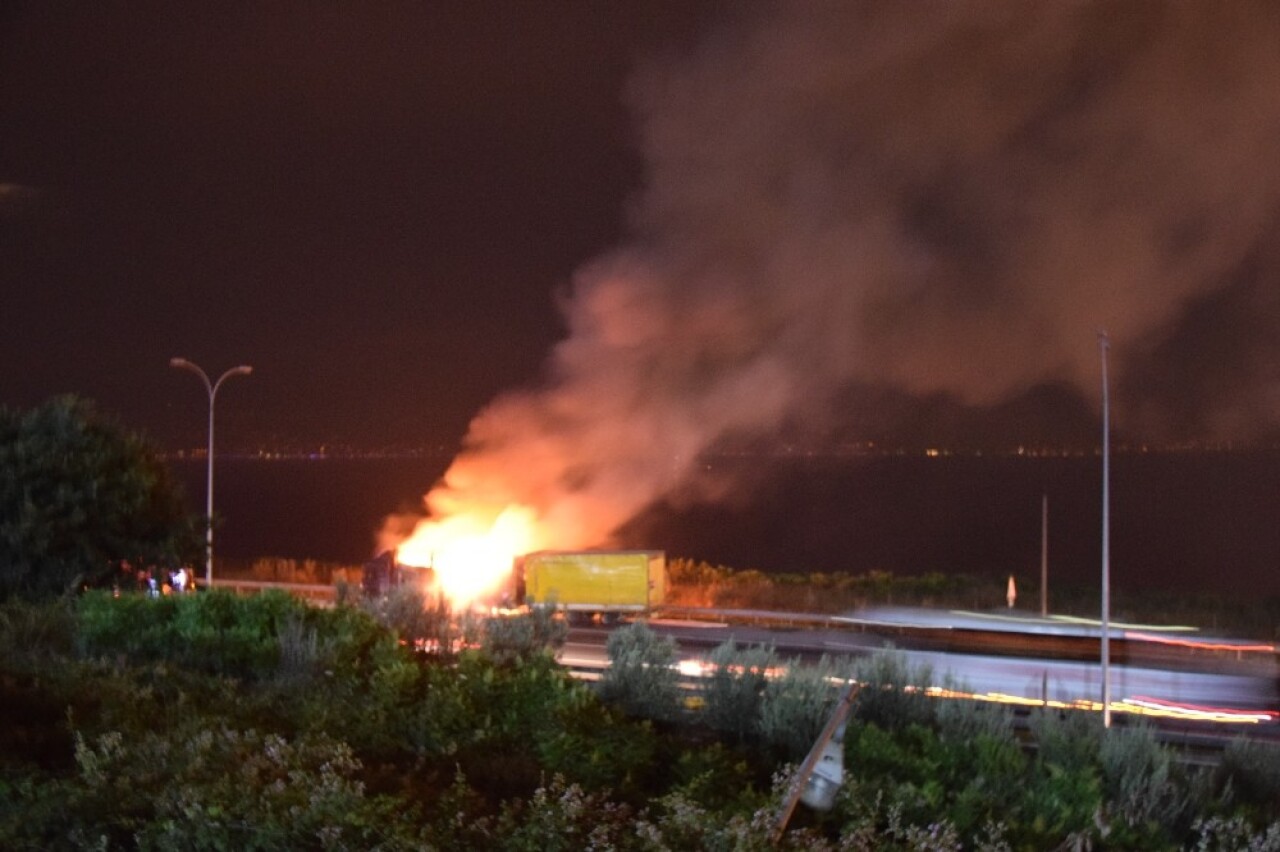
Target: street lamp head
<point>179,362</point>
<point>242,370</point>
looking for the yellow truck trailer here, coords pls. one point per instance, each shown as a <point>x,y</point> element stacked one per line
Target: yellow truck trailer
<point>589,583</point>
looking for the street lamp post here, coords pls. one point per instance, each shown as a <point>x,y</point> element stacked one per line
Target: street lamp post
<point>212,388</point>
<point>1044,555</point>
<point>1104,345</point>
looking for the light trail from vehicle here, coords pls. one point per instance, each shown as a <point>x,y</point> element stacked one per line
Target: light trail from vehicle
<point>1201,645</point>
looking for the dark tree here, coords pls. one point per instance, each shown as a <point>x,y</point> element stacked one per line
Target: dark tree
<point>78,495</point>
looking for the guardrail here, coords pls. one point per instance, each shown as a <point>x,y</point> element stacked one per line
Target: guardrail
<point>1127,647</point>
<point>309,591</point>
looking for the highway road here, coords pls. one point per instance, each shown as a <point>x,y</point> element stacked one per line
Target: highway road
<point>1222,689</point>
<point>1012,657</point>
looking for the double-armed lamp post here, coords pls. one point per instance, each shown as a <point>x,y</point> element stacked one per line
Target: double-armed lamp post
<point>212,388</point>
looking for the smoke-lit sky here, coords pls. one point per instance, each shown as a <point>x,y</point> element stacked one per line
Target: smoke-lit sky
<point>374,205</point>
<point>661,223</point>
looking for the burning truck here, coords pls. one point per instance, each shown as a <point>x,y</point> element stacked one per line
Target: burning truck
<point>381,574</point>
<point>586,584</point>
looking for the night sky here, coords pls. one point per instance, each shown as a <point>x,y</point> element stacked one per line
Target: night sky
<point>800,221</point>
<point>373,205</point>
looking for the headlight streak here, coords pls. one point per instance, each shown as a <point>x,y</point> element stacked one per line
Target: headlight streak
<point>1202,645</point>
<point>1136,705</point>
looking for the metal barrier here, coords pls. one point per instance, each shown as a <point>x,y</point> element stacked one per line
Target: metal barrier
<point>307,591</point>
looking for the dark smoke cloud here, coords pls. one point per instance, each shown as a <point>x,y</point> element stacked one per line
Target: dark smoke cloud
<point>925,198</point>
<point>953,196</point>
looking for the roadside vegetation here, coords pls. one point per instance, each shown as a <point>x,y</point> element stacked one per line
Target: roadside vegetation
<point>80,495</point>
<point>701,584</point>
<point>216,721</point>
<point>259,722</point>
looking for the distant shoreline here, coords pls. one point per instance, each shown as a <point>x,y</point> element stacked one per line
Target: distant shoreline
<point>199,454</point>
<point>1181,521</point>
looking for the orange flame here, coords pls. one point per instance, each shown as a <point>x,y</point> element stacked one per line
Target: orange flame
<point>472,555</point>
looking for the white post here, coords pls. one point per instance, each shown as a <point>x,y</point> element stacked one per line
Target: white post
<point>212,389</point>
<point>1104,345</point>
<point>1044,555</point>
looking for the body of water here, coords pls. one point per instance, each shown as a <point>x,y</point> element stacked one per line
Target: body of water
<point>1180,521</point>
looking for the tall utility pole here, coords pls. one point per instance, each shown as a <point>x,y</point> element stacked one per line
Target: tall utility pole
<point>212,388</point>
<point>1104,345</point>
<point>1044,555</point>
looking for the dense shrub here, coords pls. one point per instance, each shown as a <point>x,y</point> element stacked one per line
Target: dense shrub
<point>1067,740</point>
<point>79,494</point>
<point>323,728</point>
<point>423,624</point>
<point>892,693</point>
<point>1150,798</point>
<point>733,692</point>
<point>229,789</point>
<point>592,745</point>
<point>1233,834</point>
<point>511,638</point>
<point>795,706</point>
<point>964,719</point>
<point>217,633</point>
<point>561,817</point>
<point>642,678</point>
<point>718,778</point>
<point>32,633</point>
<point>220,633</point>
<point>1250,769</point>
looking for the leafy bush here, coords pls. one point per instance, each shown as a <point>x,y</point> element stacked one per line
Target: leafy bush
<point>903,767</point>
<point>675,821</point>
<point>561,817</point>
<point>421,624</point>
<point>642,678</point>
<point>872,825</point>
<point>224,634</point>
<point>1144,792</point>
<point>892,693</point>
<point>795,706</point>
<point>134,744</point>
<point>508,639</point>
<point>218,632</point>
<point>960,720</point>
<point>913,785</point>
<point>498,721</point>
<point>279,569</point>
<point>227,789</point>
<point>227,634</point>
<point>1251,769</point>
<point>732,694</point>
<point>591,744</point>
<point>36,632</point>
<point>300,652</point>
<point>717,778</point>
<point>1065,792</point>
<point>79,494</point>
<point>1233,834</point>
<point>1070,740</point>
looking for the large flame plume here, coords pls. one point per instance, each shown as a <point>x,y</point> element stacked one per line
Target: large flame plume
<point>471,553</point>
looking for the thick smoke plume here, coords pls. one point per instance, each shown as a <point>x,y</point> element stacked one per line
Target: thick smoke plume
<point>946,197</point>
